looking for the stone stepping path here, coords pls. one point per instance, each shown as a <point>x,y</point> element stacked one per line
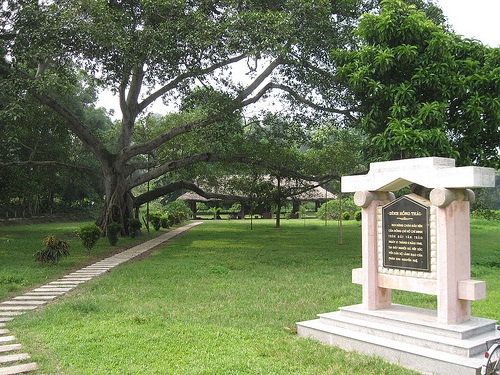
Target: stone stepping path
<point>12,359</point>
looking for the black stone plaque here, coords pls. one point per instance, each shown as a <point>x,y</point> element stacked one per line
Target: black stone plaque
<point>406,241</point>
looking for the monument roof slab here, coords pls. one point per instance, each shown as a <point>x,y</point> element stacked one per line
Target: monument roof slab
<point>431,172</point>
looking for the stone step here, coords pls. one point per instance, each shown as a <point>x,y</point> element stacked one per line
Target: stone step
<point>4,331</point>
<point>34,298</point>
<point>409,336</point>
<point>44,293</point>
<point>14,357</point>
<point>18,369</point>
<point>407,355</point>
<point>7,339</point>
<point>110,265</point>
<point>9,314</point>
<point>17,307</point>
<point>418,319</point>
<point>82,277</point>
<point>4,319</point>
<point>53,289</point>
<point>10,348</point>
<point>22,303</point>
<point>66,282</point>
<point>2,324</point>
<point>463,347</point>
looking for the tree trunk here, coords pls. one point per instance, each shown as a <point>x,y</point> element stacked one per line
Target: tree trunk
<point>278,202</point>
<point>295,208</point>
<point>278,213</point>
<point>118,204</point>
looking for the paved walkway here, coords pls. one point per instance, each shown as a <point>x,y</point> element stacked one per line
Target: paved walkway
<point>12,359</point>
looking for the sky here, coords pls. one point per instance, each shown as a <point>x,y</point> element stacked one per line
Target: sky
<point>478,19</point>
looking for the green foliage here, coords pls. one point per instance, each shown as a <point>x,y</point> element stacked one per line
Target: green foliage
<point>332,210</point>
<point>181,53</point>
<point>134,227</point>
<point>54,250</point>
<point>201,207</point>
<point>38,151</point>
<point>172,220</point>
<point>164,221</point>
<point>423,91</point>
<point>155,219</point>
<point>485,213</point>
<point>89,235</point>
<point>112,232</point>
<point>178,211</point>
<point>346,215</point>
<point>358,215</point>
<point>215,211</point>
<point>236,207</point>
<point>334,150</point>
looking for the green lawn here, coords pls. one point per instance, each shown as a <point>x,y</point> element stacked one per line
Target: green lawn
<point>224,299</point>
<point>18,243</point>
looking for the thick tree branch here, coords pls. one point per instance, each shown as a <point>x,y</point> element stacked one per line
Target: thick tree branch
<point>178,185</point>
<point>130,104</point>
<point>213,158</point>
<point>8,36</point>
<point>148,146</point>
<point>270,86</point>
<point>258,96</point>
<point>168,167</point>
<point>259,80</point>
<point>183,76</point>
<point>144,147</point>
<point>89,140</point>
<point>77,127</point>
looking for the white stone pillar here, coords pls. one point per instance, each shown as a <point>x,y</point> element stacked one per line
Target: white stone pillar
<point>453,252</point>
<point>374,297</point>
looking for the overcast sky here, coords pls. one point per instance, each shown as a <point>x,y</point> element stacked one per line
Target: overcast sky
<point>478,19</point>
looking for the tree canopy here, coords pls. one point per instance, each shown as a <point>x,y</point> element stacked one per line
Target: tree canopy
<point>422,90</point>
<point>416,88</point>
<point>146,51</point>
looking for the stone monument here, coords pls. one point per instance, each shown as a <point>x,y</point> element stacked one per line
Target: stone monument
<point>417,245</point>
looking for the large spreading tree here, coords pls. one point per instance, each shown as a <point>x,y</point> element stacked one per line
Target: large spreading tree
<point>146,51</point>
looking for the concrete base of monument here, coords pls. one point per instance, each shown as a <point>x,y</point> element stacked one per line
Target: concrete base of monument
<point>408,336</point>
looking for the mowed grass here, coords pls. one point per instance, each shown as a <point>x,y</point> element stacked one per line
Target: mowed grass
<point>18,243</point>
<point>222,299</point>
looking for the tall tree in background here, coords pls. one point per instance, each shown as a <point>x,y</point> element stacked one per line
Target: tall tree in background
<point>424,91</point>
<point>43,168</point>
<point>147,51</point>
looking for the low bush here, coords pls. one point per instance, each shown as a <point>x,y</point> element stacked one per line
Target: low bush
<point>358,215</point>
<point>332,210</point>
<point>134,227</point>
<point>112,233</point>
<point>155,219</point>
<point>54,250</point>
<point>164,222</point>
<point>89,235</point>
<point>177,212</point>
<point>485,213</point>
